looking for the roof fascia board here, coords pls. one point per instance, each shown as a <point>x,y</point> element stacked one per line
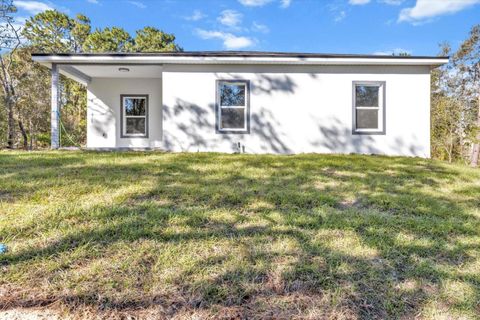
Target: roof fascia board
<point>148,59</point>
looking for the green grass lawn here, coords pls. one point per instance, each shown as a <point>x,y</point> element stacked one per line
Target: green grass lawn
<point>231,236</point>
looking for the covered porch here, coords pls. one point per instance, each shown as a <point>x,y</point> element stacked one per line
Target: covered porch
<point>112,88</point>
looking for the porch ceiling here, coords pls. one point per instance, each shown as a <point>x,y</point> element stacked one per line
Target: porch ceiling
<point>112,71</point>
<point>83,73</point>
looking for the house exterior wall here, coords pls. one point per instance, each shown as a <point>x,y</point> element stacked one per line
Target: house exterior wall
<point>293,109</point>
<point>296,109</point>
<point>104,116</point>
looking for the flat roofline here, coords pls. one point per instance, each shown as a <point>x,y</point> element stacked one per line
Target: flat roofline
<point>233,58</point>
<point>240,54</point>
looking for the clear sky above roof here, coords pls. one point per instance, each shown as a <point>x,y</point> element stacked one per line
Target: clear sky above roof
<point>335,26</point>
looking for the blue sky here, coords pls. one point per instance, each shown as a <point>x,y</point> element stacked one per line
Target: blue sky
<point>327,26</point>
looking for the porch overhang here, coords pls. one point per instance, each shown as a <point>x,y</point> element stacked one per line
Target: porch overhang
<point>82,67</point>
<point>84,72</point>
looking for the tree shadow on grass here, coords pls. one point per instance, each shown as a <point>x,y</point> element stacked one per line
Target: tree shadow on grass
<point>368,237</point>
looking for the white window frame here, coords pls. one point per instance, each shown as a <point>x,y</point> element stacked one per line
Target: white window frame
<point>246,107</point>
<point>381,107</point>
<point>124,133</point>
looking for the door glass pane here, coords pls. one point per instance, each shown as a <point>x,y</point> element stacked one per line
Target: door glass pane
<point>233,118</point>
<point>367,119</point>
<point>232,94</point>
<point>135,126</point>
<point>134,106</point>
<point>366,96</point>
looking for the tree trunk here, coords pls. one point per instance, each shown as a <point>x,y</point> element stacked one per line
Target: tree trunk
<point>476,145</point>
<point>30,130</point>
<point>10,124</point>
<point>24,135</point>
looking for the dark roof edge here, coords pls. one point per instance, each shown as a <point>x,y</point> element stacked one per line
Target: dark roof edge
<point>242,54</point>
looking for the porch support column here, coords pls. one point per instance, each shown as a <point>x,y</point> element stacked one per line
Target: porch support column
<point>55,115</point>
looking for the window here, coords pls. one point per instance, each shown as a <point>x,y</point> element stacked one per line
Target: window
<point>134,116</point>
<point>369,107</point>
<point>233,114</point>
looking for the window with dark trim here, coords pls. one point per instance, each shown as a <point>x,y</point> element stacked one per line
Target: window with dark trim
<point>232,106</point>
<point>368,107</point>
<point>134,115</point>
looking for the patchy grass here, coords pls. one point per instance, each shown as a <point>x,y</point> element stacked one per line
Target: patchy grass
<point>232,236</point>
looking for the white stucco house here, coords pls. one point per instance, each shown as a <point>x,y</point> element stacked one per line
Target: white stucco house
<point>253,102</point>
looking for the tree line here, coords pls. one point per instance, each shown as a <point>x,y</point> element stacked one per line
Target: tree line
<point>455,103</point>
<point>25,110</point>
<point>25,94</point>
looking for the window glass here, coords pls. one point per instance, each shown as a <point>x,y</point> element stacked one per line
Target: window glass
<point>135,126</point>
<point>233,118</point>
<point>367,119</point>
<point>134,106</point>
<point>366,96</point>
<point>232,94</point>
